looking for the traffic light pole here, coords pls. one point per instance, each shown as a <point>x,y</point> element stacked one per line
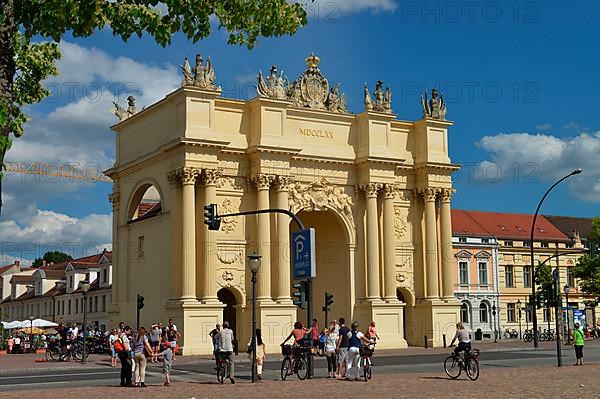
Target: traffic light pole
<point>309,316</point>
<point>326,309</point>
<point>557,306</point>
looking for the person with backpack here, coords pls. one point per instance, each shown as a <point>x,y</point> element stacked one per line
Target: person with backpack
<point>123,348</point>
<point>353,358</point>
<point>578,342</point>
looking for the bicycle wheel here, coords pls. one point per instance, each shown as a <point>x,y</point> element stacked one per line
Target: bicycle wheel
<point>52,354</point>
<point>221,373</point>
<point>302,371</point>
<point>285,368</point>
<point>527,338</point>
<point>452,367</point>
<point>367,372</point>
<point>472,369</point>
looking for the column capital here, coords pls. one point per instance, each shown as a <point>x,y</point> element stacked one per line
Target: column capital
<point>115,199</point>
<point>371,189</point>
<point>389,191</point>
<point>182,176</point>
<point>429,193</point>
<point>211,177</point>
<point>446,194</point>
<point>283,182</point>
<point>262,181</point>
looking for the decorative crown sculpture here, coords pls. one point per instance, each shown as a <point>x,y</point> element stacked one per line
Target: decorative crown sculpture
<point>312,61</point>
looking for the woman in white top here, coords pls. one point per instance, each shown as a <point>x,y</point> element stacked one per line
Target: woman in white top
<point>462,335</point>
<point>355,339</point>
<point>330,345</point>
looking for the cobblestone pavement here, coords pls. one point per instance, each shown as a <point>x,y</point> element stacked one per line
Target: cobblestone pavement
<point>533,382</point>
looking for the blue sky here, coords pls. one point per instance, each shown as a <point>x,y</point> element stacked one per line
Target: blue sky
<point>520,79</point>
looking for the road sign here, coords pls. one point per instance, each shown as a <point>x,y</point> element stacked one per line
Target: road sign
<point>303,254</point>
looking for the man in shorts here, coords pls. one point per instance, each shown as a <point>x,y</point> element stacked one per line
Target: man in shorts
<point>342,346</point>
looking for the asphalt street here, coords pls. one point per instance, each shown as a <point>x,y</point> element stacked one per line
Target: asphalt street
<point>203,370</point>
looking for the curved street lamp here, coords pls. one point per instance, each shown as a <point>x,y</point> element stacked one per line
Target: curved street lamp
<point>254,265</point>
<point>534,313</point>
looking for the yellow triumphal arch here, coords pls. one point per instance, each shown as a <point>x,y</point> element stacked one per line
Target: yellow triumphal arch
<point>376,189</point>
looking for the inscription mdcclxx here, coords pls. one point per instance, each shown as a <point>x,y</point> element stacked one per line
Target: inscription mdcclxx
<point>316,133</point>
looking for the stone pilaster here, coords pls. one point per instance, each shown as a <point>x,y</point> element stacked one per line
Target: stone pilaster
<point>389,237</point>
<point>263,235</point>
<point>446,237</point>
<point>371,191</point>
<point>210,178</point>
<point>431,254</point>
<point>283,266</point>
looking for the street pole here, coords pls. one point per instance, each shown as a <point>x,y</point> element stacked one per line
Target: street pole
<point>567,289</point>
<point>326,310</point>
<point>534,315</point>
<point>494,317</point>
<point>309,316</point>
<point>84,360</point>
<point>254,326</point>
<point>557,306</point>
<point>519,305</point>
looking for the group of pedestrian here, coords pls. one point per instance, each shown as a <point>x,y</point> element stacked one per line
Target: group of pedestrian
<point>338,343</point>
<point>133,350</point>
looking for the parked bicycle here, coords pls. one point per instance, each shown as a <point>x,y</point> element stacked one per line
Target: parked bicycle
<point>73,351</point>
<point>453,364</point>
<point>511,333</point>
<point>528,336</point>
<point>297,365</point>
<point>365,361</point>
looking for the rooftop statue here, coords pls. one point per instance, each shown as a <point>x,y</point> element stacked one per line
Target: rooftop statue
<point>335,102</point>
<point>434,108</point>
<point>202,76</point>
<point>274,86</point>
<point>123,113</point>
<point>382,99</point>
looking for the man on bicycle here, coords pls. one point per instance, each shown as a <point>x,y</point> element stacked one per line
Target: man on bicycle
<point>464,342</point>
<point>224,340</point>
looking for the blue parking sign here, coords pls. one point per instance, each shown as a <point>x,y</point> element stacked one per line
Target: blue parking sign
<point>303,254</point>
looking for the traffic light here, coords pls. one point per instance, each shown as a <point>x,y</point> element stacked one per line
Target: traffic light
<point>211,218</point>
<point>299,294</point>
<point>140,301</point>
<point>328,300</point>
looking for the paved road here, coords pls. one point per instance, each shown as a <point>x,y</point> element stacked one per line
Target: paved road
<point>201,371</point>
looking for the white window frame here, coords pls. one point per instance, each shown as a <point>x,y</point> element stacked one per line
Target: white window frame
<point>460,282</point>
<point>486,264</point>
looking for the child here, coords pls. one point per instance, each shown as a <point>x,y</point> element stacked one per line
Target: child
<point>167,356</point>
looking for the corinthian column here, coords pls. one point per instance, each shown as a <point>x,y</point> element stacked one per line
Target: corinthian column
<point>389,238</point>
<point>210,179</point>
<point>431,256</point>
<point>187,178</point>
<point>115,199</point>
<point>283,241</point>
<point>263,236</point>
<point>371,190</point>
<point>446,237</point>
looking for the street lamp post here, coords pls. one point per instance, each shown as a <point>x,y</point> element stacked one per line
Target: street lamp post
<point>85,287</point>
<point>567,289</point>
<point>494,317</point>
<point>254,265</point>
<point>31,333</point>
<point>519,306</point>
<point>534,315</point>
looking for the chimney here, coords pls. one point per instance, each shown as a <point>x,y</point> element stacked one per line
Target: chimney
<point>18,263</point>
<point>43,263</point>
<point>104,251</point>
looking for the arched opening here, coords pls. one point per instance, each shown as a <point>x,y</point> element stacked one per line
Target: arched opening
<point>406,302</point>
<point>484,311</point>
<point>333,265</point>
<point>465,313</point>
<point>229,312</point>
<point>145,203</point>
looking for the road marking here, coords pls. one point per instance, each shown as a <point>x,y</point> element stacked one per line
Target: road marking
<point>55,375</point>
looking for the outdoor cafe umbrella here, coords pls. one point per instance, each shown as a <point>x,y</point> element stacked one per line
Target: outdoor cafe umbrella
<point>29,330</point>
<point>11,325</point>
<point>41,323</point>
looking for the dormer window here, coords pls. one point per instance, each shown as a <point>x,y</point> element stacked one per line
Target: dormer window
<point>71,282</point>
<point>105,275</point>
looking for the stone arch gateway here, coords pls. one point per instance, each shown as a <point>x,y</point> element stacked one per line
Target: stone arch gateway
<point>377,187</point>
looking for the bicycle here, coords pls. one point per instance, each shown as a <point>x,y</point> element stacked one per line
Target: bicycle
<point>528,336</point>
<point>300,364</point>
<point>222,367</point>
<point>453,364</point>
<point>365,360</point>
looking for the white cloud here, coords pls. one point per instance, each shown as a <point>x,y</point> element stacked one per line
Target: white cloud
<point>545,157</point>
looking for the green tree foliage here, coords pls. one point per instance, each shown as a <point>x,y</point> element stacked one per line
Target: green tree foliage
<point>24,63</point>
<point>587,269</point>
<point>52,256</point>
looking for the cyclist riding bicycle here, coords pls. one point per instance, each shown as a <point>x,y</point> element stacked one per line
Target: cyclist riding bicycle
<point>299,332</point>
<point>224,340</point>
<point>464,342</point>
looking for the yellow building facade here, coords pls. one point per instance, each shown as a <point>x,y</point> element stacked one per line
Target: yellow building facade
<point>376,189</point>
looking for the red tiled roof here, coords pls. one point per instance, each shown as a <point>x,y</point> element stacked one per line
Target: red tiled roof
<point>22,279</point>
<point>82,265</point>
<point>568,224</point>
<point>27,295</point>
<point>54,274</point>
<point>90,260</point>
<point>5,268</point>
<point>464,224</point>
<point>506,225</point>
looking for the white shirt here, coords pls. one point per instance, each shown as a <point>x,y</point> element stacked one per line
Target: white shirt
<point>17,341</point>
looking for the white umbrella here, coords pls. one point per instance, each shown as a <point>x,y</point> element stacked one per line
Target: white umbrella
<point>12,324</point>
<point>42,323</point>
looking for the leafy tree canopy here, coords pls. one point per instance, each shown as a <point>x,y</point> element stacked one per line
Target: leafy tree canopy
<point>52,256</point>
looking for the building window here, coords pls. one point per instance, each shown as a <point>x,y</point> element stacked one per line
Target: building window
<point>544,244</point>
<point>508,243</point>
<point>570,277</point>
<point>70,282</point>
<point>464,312</point>
<point>104,303</point>
<point>82,305</point>
<point>105,275</point>
<point>462,240</point>
<point>526,277</point>
<point>483,273</point>
<point>546,314</point>
<point>463,273</point>
<point>527,313</point>
<point>76,303</point>
<point>526,244</point>
<point>140,246</point>
<point>508,276</point>
<point>570,245</point>
<point>485,240</point>
<point>95,304</point>
<point>90,305</point>
<point>510,312</point>
<point>483,313</point>
<point>69,307</point>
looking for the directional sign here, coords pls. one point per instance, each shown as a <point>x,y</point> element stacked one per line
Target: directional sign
<point>303,254</point>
